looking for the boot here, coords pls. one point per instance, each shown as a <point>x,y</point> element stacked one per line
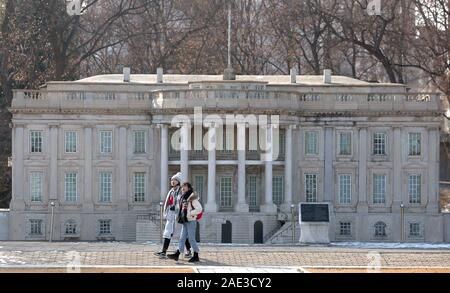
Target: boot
<point>174,256</point>
<point>162,253</point>
<point>194,258</point>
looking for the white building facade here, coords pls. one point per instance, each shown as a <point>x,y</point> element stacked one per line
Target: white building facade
<point>100,149</point>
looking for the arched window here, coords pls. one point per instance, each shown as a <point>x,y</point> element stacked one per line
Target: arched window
<point>380,229</point>
<point>70,227</point>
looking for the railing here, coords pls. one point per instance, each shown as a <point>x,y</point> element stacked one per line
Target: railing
<point>273,232</point>
<point>228,99</point>
<point>288,100</point>
<point>81,99</point>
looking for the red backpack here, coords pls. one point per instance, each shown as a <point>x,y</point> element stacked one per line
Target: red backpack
<point>200,215</point>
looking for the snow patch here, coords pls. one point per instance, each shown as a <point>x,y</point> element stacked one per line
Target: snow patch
<point>392,245</point>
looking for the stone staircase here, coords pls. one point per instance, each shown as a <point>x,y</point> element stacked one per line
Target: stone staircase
<point>284,234</point>
<point>148,228</point>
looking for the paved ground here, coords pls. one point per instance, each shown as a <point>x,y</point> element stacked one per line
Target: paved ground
<point>134,257</point>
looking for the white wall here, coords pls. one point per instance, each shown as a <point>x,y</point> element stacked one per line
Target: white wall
<point>4,217</point>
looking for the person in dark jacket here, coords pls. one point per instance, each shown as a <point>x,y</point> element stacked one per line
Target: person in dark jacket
<point>190,208</point>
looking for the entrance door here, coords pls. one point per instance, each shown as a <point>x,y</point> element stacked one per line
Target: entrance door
<point>258,232</point>
<point>227,232</point>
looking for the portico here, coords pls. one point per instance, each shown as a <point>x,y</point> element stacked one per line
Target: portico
<point>207,159</point>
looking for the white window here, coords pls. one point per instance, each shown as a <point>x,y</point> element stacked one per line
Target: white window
<point>345,188</point>
<point>379,188</point>
<point>345,143</point>
<point>380,229</point>
<point>225,192</point>
<point>414,230</point>
<point>104,227</point>
<point>414,143</point>
<point>105,142</point>
<point>414,188</point>
<point>105,186</point>
<point>139,142</point>
<point>379,143</point>
<point>345,228</point>
<point>311,187</point>
<point>252,193</point>
<point>35,227</point>
<point>36,186</point>
<point>311,143</point>
<point>277,190</point>
<point>198,186</point>
<point>70,227</point>
<point>70,141</point>
<point>70,187</point>
<point>139,186</point>
<point>36,141</point>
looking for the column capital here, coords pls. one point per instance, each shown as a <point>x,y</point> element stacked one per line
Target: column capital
<point>182,124</point>
<point>88,126</point>
<point>17,125</point>
<point>290,126</point>
<point>160,125</point>
<point>210,124</point>
<point>54,124</point>
<point>430,128</point>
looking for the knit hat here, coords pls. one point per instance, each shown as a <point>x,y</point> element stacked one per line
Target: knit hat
<point>177,177</point>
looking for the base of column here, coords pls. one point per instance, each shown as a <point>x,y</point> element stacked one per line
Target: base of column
<point>362,207</point>
<point>432,209</point>
<point>286,208</point>
<point>212,208</point>
<point>88,206</point>
<point>396,207</point>
<point>17,205</point>
<point>242,208</point>
<point>123,205</point>
<point>269,208</point>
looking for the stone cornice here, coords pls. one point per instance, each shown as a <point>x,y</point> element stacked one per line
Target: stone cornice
<point>173,111</point>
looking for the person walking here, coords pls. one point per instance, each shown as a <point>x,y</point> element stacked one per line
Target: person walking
<point>189,211</point>
<point>170,214</point>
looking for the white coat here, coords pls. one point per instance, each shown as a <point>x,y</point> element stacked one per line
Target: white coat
<point>170,215</point>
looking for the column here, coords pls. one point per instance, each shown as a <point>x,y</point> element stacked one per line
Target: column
<point>269,206</point>
<point>433,171</point>
<point>53,153</point>
<point>184,151</point>
<point>362,171</point>
<point>242,206</point>
<point>123,174</point>
<point>18,202</point>
<point>328,194</point>
<point>288,170</point>
<point>211,205</point>
<point>397,176</point>
<point>164,160</point>
<point>88,202</point>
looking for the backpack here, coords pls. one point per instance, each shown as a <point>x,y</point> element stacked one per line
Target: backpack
<point>200,215</point>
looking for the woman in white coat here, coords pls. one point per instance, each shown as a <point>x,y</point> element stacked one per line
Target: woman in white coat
<point>190,210</point>
<point>170,214</point>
